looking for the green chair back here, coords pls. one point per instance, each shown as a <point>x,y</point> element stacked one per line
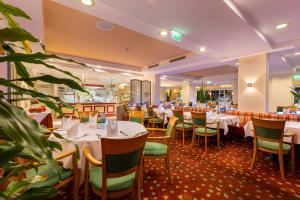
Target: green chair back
<point>199,118</point>
<point>136,116</point>
<point>179,115</point>
<point>269,129</point>
<point>124,160</point>
<point>171,126</point>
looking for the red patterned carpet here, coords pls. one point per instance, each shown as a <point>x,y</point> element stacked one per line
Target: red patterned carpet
<point>223,174</point>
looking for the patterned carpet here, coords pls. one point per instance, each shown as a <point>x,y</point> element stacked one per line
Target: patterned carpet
<point>223,174</point>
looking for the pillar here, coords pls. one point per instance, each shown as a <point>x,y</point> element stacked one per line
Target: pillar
<point>155,87</point>
<point>253,83</point>
<point>189,93</point>
<point>235,91</point>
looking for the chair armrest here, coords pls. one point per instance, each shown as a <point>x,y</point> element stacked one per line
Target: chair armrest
<point>290,135</point>
<point>155,129</point>
<point>65,155</point>
<point>90,158</point>
<point>159,137</point>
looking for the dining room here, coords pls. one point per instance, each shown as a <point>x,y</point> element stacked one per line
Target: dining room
<point>149,99</point>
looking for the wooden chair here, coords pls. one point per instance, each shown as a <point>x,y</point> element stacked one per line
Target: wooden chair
<point>138,108</point>
<point>200,128</point>
<point>182,125</point>
<point>156,120</point>
<point>160,147</point>
<point>120,171</point>
<point>150,113</point>
<point>84,116</point>
<point>136,116</point>
<point>268,137</point>
<point>60,178</point>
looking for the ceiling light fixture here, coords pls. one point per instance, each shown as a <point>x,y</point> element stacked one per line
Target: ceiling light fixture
<point>163,33</point>
<point>237,64</point>
<point>88,2</point>
<point>99,70</point>
<point>297,54</point>
<point>282,26</point>
<point>162,78</point>
<point>202,49</point>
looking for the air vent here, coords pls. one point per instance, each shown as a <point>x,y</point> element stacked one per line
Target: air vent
<point>152,66</point>
<point>104,25</point>
<point>177,59</point>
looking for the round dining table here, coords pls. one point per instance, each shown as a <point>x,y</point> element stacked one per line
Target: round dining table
<point>90,136</point>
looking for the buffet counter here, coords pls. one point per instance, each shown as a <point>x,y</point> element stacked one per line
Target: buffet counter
<point>108,108</point>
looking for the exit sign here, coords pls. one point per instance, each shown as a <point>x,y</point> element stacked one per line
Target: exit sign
<point>176,36</point>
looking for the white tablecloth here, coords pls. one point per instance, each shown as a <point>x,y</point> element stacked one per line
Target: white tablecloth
<point>159,114</point>
<point>224,120</point>
<point>39,116</point>
<point>290,128</point>
<point>92,141</point>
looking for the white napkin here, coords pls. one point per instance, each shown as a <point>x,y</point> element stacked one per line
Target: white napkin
<point>93,120</point>
<point>66,123</point>
<point>112,128</point>
<point>73,131</point>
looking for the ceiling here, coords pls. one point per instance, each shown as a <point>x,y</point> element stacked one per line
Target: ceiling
<point>71,32</point>
<point>213,71</point>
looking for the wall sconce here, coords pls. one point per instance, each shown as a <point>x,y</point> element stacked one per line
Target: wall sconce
<point>250,85</point>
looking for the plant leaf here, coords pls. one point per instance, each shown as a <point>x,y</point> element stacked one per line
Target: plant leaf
<point>54,80</point>
<point>8,153</point>
<point>16,35</point>
<point>9,9</point>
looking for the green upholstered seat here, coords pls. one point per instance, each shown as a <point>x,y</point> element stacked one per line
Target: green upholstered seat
<point>186,126</point>
<point>113,184</point>
<point>53,176</point>
<point>273,145</point>
<point>155,149</point>
<point>136,119</point>
<point>208,130</point>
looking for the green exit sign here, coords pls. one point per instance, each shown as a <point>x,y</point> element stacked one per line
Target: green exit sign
<point>176,36</point>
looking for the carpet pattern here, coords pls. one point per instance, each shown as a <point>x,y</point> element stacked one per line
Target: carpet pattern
<point>214,174</point>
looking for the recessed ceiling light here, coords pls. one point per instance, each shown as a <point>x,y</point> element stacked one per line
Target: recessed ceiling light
<point>208,82</point>
<point>237,64</point>
<point>297,53</point>
<point>87,2</point>
<point>282,26</point>
<point>185,81</point>
<point>202,49</point>
<point>162,78</point>
<point>163,33</point>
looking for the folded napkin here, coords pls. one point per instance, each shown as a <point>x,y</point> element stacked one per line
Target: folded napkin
<point>73,131</point>
<point>93,120</point>
<point>112,128</point>
<point>66,123</point>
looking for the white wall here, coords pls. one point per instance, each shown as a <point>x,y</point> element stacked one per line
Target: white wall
<point>279,91</point>
<point>235,91</point>
<point>255,70</point>
<point>189,93</point>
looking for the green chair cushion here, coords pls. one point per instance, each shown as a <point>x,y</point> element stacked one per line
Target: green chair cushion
<point>136,119</point>
<point>53,176</point>
<point>208,130</point>
<point>186,126</point>
<point>155,149</point>
<point>113,184</point>
<point>156,120</point>
<point>273,145</point>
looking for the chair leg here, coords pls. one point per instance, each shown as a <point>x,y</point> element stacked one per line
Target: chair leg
<point>193,138</point>
<point>167,160</point>
<point>280,156</point>
<point>292,158</point>
<point>205,143</point>
<point>75,187</point>
<point>218,138</point>
<point>198,139</point>
<point>254,156</point>
<point>182,136</point>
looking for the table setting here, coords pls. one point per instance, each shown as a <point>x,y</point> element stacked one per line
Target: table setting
<point>290,129</point>
<point>89,135</point>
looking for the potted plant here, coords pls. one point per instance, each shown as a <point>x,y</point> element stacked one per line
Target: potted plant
<point>169,94</point>
<point>22,138</point>
<point>202,96</point>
